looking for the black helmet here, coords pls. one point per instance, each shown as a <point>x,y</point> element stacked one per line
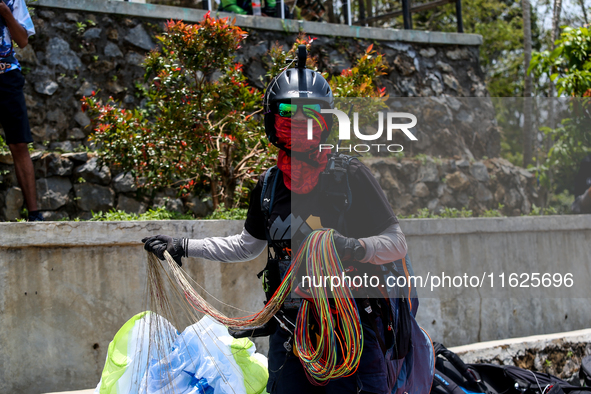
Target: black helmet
<point>295,84</point>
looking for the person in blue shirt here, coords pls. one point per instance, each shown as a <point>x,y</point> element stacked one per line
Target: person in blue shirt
<point>16,25</point>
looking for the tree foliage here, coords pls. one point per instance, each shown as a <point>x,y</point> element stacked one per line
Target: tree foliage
<point>195,130</point>
<point>569,64</point>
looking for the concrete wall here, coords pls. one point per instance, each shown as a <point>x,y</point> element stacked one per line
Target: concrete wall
<point>67,287</point>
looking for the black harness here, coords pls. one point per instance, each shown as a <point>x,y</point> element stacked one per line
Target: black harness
<point>335,188</point>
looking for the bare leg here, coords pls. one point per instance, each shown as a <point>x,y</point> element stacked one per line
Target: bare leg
<point>25,173</point>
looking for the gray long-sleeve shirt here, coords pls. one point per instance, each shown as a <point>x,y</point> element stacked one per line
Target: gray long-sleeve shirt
<point>389,245</point>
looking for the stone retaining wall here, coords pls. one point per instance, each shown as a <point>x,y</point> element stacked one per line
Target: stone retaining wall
<point>73,185</point>
<point>92,45</point>
<point>76,52</point>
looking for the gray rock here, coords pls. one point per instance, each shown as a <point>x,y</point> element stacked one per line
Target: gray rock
<point>130,205</point>
<point>114,87</point>
<point>52,193</point>
<point>86,89</point>
<point>45,133</point>
<point>64,146</point>
<point>76,134</point>
<point>26,55</point>
<point>462,163</point>
<point>94,198</point>
<point>91,172</point>
<point>457,181</point>
<point>13,203</point>
<point>408,87</point>
<point>436,85</point>
<point>198,207</point>
<point>458,54</point>
<point>64,26</point>
<point>256,51</point>
<point>444,66</point>
<point>451,82</point>
<point>339,62</point>
<point>483,194</point>
<point>255,72</point>
<point>171,204</point>
<point>112,50</point>
<point>427,92</point>
<point>57,116</point>
<point>36,155</point>
<point>404,65</point>
<point>428,52</point>
<point>53,165</point>
<point>124,183</point>
<point>54,216</point>
<point>102,67</point>
<point>429,173</point>
<point>445,195</point>
<point>453,103</point>
<point>512,198</point>
<point>434,206</point>
<point>134,58</point>
<point>463,199</point>
<point>82,119</point>
<point>140,38</point>
<point>128,99</point>
<point>388,182</point>
<point>46,87</point>
<point>58,53</point>
<point>92,33</point>
<point>480,172</point>
<point>77,157</point>
<point>420,190</point>
<point>113,35</point>
<point>570,368</point>
<point>45,14</point>
<point>72,17</point>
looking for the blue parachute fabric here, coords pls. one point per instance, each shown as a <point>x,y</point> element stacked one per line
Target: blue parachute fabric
<point>414,373</point>
<point>201,361</point>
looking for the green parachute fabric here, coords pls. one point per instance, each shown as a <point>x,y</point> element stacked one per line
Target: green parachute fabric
<point>127,355</point>
<point>202,359</point>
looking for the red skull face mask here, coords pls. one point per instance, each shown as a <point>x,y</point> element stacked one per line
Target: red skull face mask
<point>300,176</point>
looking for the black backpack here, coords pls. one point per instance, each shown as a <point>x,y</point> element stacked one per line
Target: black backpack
<point>585,372</point>
<point>453,376</point>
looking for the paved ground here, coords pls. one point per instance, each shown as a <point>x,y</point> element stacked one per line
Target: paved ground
<point>89,391</point>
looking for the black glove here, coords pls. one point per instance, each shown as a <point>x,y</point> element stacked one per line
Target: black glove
<point>349,249</point>
<point>159,243</point>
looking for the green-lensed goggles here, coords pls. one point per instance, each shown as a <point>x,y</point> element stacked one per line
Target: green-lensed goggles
<point>289,110</point>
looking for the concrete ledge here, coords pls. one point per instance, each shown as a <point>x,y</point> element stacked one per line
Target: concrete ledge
<point>127,233</point>
<point>263,23</point>
<point>571,336</point>
<point>496,225</point>
<point>506,349</point>
<point>67,287</point>
<point>71,234</point>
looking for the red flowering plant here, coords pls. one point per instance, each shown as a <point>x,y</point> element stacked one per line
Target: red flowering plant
<point>201,124</point>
